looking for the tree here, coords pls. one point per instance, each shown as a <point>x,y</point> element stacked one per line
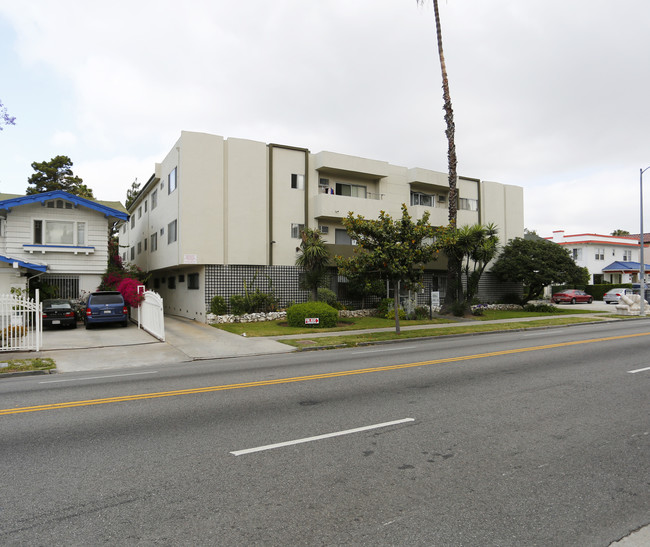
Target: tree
<point>57,174</point>
<point>620,232</point>
<point>394,249</point>
<point>531,234</point>
<point>313,257</point>
<point>132,193</point>
<point>473,247</point>
<point>537,264</point>
<point>5,118</point>
<point>453,267</point>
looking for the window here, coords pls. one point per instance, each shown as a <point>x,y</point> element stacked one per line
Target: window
<point>171,282</point>
<point>162,232</point>
<point>193,282</point>
<point>298,182</point>
<point>139,247</point>
<point>156,283</point>
<point>418,198</point>
<point>576,254</point>
<point>181,278</point>
<point>171,181</point>
<point>154,242</point>
<point>132,253</point>
<point>59,232</point>
<point>140,211</point>
<point>468,204</point>
<point>600,254</point>
<point>171,232</point>
<point>351,190</point>
<point>341,237</point>
<point>145,206</point>
<point>323,185</point>
<point>132,221</point>
<point>627,255</point>
<point>296,229</point>
<point>145,243</point>
<point>154,199</point>
<point>324,229</point>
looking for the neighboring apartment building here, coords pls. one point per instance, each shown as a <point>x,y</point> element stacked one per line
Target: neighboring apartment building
<point>220,212</point>
<point>609,259</point>
<point>55,238</point>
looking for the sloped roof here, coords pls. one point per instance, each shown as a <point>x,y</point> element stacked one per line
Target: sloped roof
<point>24,264</point>
<point>620,266</point>
<point>108,208</point>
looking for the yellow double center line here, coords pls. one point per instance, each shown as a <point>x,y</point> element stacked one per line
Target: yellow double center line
<point>324,376</point>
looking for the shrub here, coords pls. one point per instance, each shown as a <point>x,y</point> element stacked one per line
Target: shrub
<point>239,304</point>
<point>129,289</point>
<point>421,312</point>
<point>390,314</point>
<point>384,305</point>
<point>510,298</point>
<point>218,305</point>
<point>328,296</point>
<point>327,315</point>
<point>254,302</point>
<point>542,308</point>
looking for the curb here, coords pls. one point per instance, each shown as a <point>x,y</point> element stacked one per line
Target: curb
<point>27,373</point>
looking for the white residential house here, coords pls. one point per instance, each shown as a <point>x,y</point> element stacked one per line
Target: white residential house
<point>609,259</point>
<point>55,237</point>
<point>219,213</point>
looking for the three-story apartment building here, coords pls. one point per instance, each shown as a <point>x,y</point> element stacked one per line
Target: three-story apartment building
<point>220,216</point>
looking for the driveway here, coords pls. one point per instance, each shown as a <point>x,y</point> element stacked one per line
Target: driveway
<point>113,347</point>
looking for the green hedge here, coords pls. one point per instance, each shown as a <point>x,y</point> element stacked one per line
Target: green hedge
<point>327,315</point>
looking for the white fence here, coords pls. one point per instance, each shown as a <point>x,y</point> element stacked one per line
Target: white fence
<point>150,315</point>
<point>21,324</point>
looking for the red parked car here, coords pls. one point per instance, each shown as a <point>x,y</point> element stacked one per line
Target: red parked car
<point>572,296</point>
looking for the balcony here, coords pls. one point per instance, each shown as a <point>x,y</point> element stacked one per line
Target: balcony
<point>331,206</point>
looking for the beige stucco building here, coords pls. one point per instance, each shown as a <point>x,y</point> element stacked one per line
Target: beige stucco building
<point>218,212</point>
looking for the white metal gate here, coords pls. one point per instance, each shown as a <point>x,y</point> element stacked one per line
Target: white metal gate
<point>150,315</point>
<point>21,324</point>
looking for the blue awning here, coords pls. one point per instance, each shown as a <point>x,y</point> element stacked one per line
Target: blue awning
<point>24,264</point>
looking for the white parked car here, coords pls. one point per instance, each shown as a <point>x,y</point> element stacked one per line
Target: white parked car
<point>613,296</point>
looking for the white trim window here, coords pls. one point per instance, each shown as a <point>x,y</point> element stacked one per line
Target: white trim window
<point>298,182</point>
<point>154,199</point>
<point>467,204</point>
<point>627,255</point>
<point>59,232</point>
<point>296,229</point>
<point>172,181</point>
<point>599,254</point>
<point>172,235</point>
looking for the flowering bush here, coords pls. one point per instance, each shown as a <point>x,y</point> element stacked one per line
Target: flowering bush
<point>129,289</point>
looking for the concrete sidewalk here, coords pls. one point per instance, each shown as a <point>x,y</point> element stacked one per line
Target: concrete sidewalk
<point>112,347</point>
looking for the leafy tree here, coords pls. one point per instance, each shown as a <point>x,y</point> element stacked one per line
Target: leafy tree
<point>393,249</point>
<point>473,247</point>
<point>57,174</point>
<point>453,266</point>
<point>537,264</point>
<point>531,234</point>
<point>620,232</point>
<point>362,286</point>
<point>132,193</point>
<point>5,118</point>
<point>313,257</point>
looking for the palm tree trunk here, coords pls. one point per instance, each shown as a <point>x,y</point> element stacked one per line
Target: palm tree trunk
<point>453,265</point>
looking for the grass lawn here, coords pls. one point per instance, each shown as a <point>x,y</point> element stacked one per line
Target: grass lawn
<point>356,339</point>
<point>24,365</point>
<point>279,328</point>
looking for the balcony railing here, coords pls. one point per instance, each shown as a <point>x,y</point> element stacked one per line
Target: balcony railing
<point>369,195</point>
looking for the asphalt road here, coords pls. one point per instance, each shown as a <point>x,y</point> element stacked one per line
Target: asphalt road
<point>533,438</point>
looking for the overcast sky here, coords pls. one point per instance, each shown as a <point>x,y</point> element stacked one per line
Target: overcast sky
<point>550,95</point>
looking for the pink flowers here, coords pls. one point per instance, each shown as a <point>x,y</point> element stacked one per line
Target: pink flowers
<point>129,289</point>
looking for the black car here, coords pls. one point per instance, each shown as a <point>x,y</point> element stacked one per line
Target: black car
<point>58,312</point>
<point>106,307</point>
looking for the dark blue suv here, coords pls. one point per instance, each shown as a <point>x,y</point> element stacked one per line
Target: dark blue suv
<point>106,307</point>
